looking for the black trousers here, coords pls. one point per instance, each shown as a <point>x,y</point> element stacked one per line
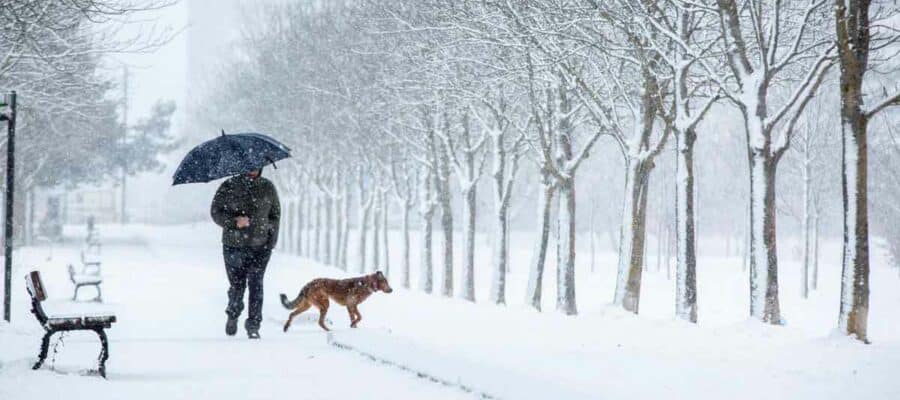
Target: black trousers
<point>246,266</point>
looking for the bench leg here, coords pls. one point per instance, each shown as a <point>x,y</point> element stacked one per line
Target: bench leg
<point>45,346</point>
<point>75,295</point>
<point>99,297</point>
<point>104,351</point>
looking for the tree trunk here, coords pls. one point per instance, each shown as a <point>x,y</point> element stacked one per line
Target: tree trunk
<point>815,263</point>
<point>508,237</point>
<point>366,209</point>
<point>301,224</point>
<point>805,225</point>
<point>468,272</point>
<point>631,245</point>
<point>565,271</point>
<point>317,242</point>
<point>426,275</point>
<point>764,302</point>
<point>501,230</point>
<point>854,308</point>
<point>338,231</point>
<point>288,217</point>
<point>310,210</point>
<point>404,280</point>
<point>345,235</point>
<point>298,220</point>
<point>501,255</point>
<point>329,221</point>
<point>538,258</point>
<point>447,229</point>
<point>853,35</point>
<point>376,235</point>
<point>386,244</point>
<point>686,259</point>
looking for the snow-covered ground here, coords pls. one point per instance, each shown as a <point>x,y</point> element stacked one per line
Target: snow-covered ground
<point>167,287</point>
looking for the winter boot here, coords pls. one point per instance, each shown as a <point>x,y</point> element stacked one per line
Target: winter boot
<point>231,326</point>
<point>252,328</point>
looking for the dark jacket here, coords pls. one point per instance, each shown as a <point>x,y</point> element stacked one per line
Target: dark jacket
<point>254,198</point>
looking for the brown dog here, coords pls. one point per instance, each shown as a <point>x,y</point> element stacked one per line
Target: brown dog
<point>346,292</point>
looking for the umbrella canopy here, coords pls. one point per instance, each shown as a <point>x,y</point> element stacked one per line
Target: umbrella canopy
<point>228,155</point>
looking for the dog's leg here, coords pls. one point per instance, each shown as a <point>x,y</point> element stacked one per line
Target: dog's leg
<point>303,306</point>
<point>323,310</point>
<point>352,316</point>
<point>356,316</point>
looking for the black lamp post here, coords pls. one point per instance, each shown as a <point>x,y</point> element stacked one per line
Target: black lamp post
<point>9,115</point>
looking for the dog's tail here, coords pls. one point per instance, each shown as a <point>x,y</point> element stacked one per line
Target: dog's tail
<point>292,303</point>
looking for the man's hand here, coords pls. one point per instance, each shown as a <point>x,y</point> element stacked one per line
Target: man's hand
<point>242,222</point>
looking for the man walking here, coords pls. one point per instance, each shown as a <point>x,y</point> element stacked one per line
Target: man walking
<point>248,210</point>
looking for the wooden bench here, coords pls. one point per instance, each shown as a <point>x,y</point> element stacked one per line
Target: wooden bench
<point>52,324</point>
<point>89,274</point>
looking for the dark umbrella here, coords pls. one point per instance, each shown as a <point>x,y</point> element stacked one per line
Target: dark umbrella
<point>228,155</point>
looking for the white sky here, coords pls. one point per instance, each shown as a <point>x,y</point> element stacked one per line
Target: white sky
<point>161,74</point>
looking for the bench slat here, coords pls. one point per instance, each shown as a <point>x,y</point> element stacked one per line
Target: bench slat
<point>35,286</point>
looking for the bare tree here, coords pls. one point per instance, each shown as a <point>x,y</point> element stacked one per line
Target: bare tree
<point>679,33</point>
<point>467,166</point>
<point>405,184</point>
<point>860,29</point>
<point>769,58</point>
<point>427,208</point>
<point>505,154</point>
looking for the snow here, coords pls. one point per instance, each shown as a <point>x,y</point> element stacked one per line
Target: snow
<point>534,290</point>
<point>167,287</point>
<point>626,238</point>
<point>565,265</point>
<point>850,170</point>
<point>759,260</point>
<point>499,259</point>
<point>682,307</point>
<point>749,97</point>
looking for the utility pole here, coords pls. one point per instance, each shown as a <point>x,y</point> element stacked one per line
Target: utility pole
<point>123,216</point>
<point>9,116</point>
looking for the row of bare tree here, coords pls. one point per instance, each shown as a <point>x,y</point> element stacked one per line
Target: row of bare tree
<point>412,101</point>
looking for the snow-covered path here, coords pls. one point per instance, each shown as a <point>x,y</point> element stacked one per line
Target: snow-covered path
<point>167,286</point>
<point>169,296</point>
